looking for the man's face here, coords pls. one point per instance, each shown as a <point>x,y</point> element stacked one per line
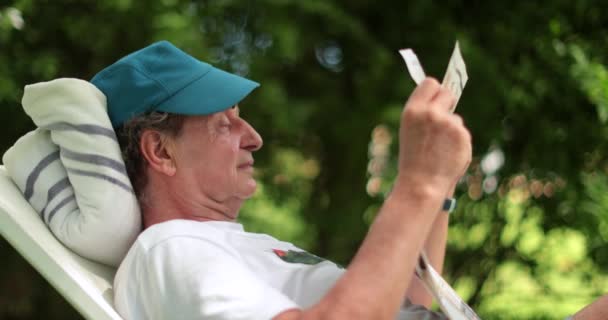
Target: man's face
<point>213,156</point>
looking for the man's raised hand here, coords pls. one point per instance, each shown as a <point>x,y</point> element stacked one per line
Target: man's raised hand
<point>434,145</point>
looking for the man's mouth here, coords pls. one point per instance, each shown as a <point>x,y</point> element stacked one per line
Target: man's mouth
<point>248,164</point>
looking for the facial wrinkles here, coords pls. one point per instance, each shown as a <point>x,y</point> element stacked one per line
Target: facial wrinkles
<point>202,206</point>
<point>212,130</point>
<point>220,139</point>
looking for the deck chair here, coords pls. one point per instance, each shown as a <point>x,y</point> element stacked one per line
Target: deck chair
<point>86,285</point>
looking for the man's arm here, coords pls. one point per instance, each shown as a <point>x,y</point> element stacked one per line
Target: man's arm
<point>598,310</point>
<point>435,149</point>
<point>435,251</point>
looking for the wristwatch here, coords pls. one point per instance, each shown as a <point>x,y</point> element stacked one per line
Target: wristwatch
<point>449,205</point>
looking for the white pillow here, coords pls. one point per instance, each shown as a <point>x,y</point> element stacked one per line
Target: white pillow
<point>71,170</point>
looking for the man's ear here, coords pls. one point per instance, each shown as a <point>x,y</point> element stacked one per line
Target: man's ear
<point>157,151</point>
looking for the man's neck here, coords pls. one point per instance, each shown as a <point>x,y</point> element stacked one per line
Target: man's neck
<point>166,203</point>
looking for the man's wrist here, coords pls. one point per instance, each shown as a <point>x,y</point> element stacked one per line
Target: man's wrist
<point>423,190</point>
<point>417,196</point>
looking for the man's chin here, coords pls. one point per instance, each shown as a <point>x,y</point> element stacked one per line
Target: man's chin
<point>249,189</point>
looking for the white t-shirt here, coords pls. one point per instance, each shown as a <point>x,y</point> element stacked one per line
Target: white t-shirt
<point>185,269</point>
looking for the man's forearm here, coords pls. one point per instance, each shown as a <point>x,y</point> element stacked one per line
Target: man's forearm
<point>598,310</point>
<point>382,269</point>
<point>435,251</point>
<point>436,241</point>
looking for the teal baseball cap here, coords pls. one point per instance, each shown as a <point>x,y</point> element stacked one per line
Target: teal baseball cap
<point>161,77</point>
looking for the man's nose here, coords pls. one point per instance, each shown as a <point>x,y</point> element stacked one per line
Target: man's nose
<point>252,140</point>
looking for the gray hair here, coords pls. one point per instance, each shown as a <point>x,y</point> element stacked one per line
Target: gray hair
<point>129,136</point>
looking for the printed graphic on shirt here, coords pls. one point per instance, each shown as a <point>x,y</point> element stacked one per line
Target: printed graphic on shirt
<point>297,257</point>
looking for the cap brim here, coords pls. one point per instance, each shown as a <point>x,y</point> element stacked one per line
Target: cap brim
<point>216,91</point>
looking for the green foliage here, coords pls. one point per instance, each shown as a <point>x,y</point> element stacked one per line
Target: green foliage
<point>529,238</point>
<point>593,78</point>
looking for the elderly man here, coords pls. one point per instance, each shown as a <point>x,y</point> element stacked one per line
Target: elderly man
<point>190,157</point>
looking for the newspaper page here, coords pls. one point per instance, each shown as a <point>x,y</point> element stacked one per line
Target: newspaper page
<point>449,301</point>
<point>455,77</point>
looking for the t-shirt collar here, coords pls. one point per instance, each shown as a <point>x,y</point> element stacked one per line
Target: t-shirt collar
<point>235,226</point>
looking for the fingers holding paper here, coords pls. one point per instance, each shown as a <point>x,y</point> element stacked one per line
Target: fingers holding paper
<point>444,100</point>
<point>434,144</point>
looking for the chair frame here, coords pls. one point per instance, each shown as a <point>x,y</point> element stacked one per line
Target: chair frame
<point>86,285</point>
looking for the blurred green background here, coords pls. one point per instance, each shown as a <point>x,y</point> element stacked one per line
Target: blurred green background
<point>529,237</point>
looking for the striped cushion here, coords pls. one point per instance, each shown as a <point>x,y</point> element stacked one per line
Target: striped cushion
<point>71,171</point>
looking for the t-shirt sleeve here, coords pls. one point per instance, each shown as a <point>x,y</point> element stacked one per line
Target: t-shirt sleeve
<point>192,278</point>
